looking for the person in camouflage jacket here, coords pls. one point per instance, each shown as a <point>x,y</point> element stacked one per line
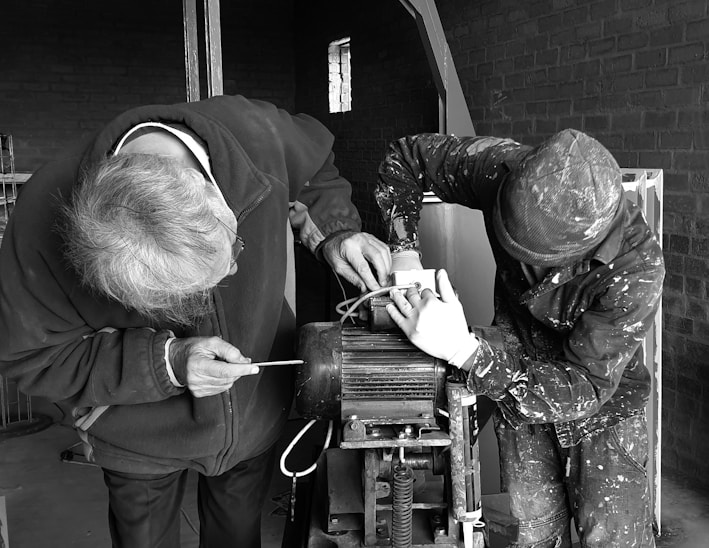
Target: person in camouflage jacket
<point>578,282</point>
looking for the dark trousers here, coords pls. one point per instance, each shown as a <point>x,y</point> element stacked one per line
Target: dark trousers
<point>601,483</point>
<point>144,510</point>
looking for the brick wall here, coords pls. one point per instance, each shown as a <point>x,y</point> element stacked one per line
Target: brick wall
<point>66,68</point>
<point>392,89</point>
<point>634,74</point>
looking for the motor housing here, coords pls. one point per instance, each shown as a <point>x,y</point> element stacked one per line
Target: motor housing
<point>376,377</point>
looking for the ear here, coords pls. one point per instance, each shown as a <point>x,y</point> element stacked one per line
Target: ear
<point>195,177</point>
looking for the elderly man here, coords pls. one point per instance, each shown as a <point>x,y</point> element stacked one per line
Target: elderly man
<point>140,276</point>
<point>579,276</point>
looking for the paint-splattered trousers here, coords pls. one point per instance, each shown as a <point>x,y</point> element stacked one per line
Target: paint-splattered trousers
<point>601,483</point>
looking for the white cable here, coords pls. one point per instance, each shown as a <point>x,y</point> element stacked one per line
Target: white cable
<point>347,301</point>
<point>366,296</point>
<point>288,449</point>
<point>339,282</point>
<point>341,307</point>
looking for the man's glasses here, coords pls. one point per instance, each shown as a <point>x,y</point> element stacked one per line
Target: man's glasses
<point>238,245</point>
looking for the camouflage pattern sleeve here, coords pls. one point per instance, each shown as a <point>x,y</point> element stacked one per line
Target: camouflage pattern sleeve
<point>553,375</point>
<point>461,170</point>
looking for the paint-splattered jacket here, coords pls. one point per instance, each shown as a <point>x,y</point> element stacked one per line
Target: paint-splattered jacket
<point>572,340</point>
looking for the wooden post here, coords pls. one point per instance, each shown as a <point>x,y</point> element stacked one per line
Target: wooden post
<point>213,46</point>
<point>189,15</point>
<point>213,42</point>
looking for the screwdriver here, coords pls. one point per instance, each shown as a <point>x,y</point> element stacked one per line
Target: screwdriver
<point>282,362</point>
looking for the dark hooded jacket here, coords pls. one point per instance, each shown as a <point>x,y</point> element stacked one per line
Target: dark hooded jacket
<point>106,363</point>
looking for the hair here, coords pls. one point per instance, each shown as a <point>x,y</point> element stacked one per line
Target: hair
<point>140,230</point>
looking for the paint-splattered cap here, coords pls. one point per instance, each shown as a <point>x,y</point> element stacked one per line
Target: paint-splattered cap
<point>559,202</point>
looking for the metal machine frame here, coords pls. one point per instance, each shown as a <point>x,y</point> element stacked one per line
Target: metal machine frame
<point>404,469</point>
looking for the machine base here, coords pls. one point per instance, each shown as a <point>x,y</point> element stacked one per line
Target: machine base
<point>326,529</point>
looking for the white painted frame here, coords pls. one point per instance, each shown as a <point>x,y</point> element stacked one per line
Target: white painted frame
<point>645,187</point>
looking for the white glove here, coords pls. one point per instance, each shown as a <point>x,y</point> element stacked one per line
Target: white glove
<point>436,326</point>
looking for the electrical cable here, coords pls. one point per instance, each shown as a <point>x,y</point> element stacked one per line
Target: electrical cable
<point>344,294</point>
<point>341,307</point>
<point>366,296</point>
<point>339,282</point>
<point>295,440</point>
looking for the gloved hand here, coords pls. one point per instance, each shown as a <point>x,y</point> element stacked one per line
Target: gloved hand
<point>436,326</point>
<point>208,365</point>
<point>350,255</point>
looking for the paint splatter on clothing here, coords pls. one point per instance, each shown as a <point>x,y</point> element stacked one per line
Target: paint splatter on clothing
<point>600,482</point>
<point>568,378</point>
<point>572,338</point>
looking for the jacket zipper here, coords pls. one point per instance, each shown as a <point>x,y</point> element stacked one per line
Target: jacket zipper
<point>228,397</point>
<point>253,205</point>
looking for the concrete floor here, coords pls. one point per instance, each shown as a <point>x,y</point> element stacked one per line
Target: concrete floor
<point>50,503</point>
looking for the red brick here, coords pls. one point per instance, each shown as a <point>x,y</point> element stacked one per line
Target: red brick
<point>651,59</point>
<point>698,30</point>
<point>602,46</point>
<point>660,119</point>
<point>668,35</point>
<point>675,139</point>
<point>632,41</point>
<point>686,53</point>
<point>661,77</point>
<point>620,63</point>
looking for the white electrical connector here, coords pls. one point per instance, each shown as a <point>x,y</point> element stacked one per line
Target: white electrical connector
<point>426,278</point>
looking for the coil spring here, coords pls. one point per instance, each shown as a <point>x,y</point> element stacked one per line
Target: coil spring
<point>402,504</point>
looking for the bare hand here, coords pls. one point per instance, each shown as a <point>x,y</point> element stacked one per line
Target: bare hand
<point>353,254</point>
<point>208,365</point>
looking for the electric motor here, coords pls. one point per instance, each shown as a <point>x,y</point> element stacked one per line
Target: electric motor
<point>352,372</point>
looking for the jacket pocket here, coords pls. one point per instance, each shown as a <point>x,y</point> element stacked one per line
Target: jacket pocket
<point>85,417</point>
<point>630,438</point>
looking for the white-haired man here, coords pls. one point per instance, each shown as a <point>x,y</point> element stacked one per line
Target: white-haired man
<point>120,298</point>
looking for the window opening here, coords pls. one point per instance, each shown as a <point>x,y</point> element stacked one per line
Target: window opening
<point>340,91</point>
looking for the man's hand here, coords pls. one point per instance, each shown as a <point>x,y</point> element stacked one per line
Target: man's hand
<point>208,365</point>
<point>353,254</point>
<point>436,326</point>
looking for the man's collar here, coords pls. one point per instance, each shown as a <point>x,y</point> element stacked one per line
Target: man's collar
<point>189,141</point>
<point>604,253</point>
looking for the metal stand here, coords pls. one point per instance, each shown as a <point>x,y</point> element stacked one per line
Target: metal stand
<point>17,418</point>
<point>430,498</point>
<point>7,180</point>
